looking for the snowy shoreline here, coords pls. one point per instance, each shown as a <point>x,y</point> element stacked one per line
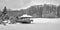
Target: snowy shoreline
<point>45,20</point>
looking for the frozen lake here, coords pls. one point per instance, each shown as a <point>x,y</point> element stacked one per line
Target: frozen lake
<point>31,27</point>
<point>40,24</point>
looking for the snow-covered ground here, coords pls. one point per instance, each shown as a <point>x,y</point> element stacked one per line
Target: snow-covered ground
<point>46,20</point>
<point>39,24</point>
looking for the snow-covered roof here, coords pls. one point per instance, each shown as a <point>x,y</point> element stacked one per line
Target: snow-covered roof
<point>25,15</point>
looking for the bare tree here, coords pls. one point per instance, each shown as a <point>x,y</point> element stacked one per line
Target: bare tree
<point>58,11</point>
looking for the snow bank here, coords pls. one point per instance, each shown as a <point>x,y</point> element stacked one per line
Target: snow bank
<point>46,20</point>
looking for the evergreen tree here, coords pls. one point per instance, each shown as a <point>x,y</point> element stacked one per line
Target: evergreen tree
<point>4,10</point>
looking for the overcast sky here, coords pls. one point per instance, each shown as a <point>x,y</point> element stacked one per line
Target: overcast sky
<point>17,4</point>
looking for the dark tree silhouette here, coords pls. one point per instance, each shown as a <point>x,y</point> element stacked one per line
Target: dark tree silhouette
<point>4,10</point>
<point>58,11</point>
